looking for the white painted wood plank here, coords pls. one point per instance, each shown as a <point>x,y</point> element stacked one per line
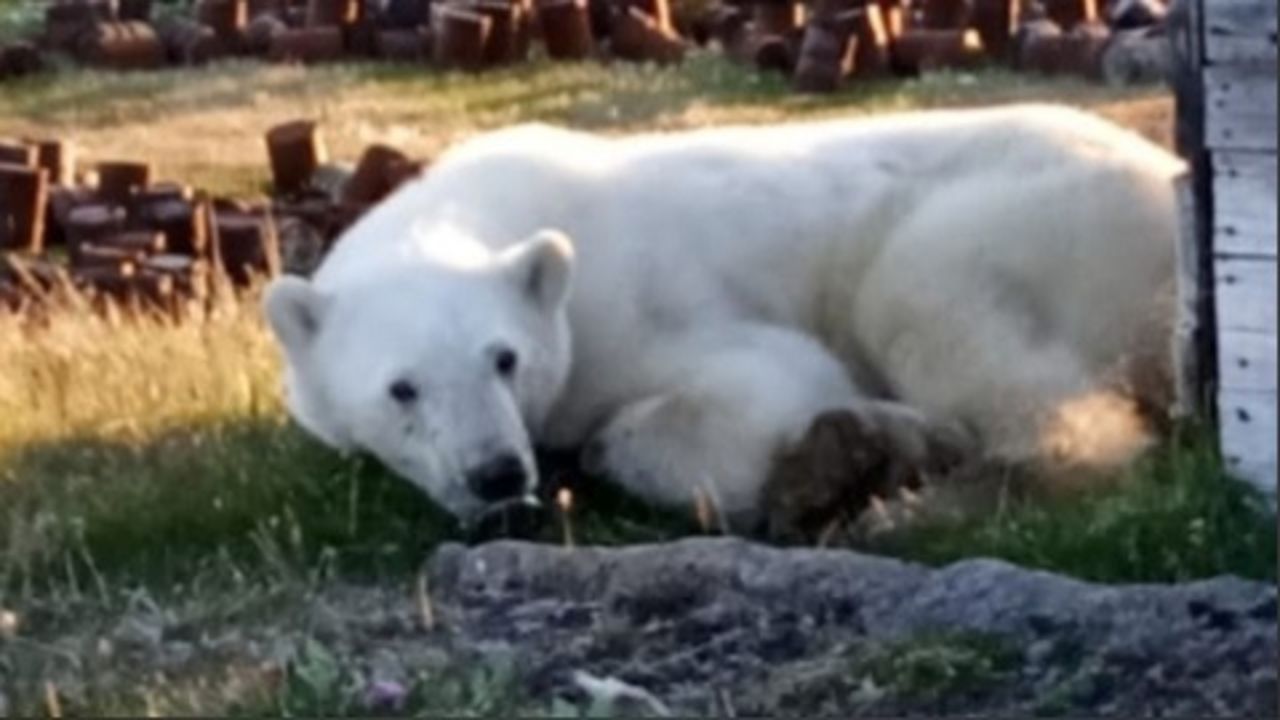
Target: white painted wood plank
<point>1259,473</point>
<point>1248,435</point>
<point>1240,107</point>
<point>1240,17</point>
<point>1244,203</point>
<point>1240,31</point>
<point>1246,360</point>
<point>1245,294</point>
<point>1237,50</point>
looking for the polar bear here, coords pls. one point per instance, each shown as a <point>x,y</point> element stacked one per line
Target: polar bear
<point>683,305</point>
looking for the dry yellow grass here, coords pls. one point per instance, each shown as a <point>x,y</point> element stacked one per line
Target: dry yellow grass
<point>76,373</point>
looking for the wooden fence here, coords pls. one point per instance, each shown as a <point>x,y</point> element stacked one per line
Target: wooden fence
<point>1226,86</point>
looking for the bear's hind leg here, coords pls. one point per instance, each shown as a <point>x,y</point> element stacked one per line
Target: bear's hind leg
<point>713,437</point>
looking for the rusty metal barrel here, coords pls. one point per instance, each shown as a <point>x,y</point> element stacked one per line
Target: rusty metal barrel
<point>325,13</point>
<point>88,224</point>
<point>826,57</point>
<point>372,179</point>
<point>778,18</point>
<point>247,246</point>
<point>66,20</point>
<point>307,45</point>
<point>58,158</point>
<point>404,45</point>
<point>23,199</point>
<point>502,45</point>
<point>118,180</point>
<point>566,29</point>
<point>458,37</point>
<point>296,149</point>
<point>919,50</point>
<point>639,36</point>
<point>226,17</point>
<point>18,153</point>
<point>129,45</point>
<point>183,224</point>
<point>871,50</point>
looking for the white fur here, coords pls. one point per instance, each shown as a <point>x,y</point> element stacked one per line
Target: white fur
<point>726,285</point>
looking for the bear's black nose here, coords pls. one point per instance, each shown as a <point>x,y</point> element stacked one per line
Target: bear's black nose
<point>501,478</point>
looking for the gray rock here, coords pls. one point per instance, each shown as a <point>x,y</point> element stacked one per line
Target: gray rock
<point>693,619</point>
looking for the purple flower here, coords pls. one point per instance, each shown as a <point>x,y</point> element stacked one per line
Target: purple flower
<point>385,694</point>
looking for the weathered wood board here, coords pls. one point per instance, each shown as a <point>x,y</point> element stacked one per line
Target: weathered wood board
<point>1246,360</point>
<point>1248,425</point>
<point>1240,107</point>
<point>1231,111</point>
<point>1241,32</point>
<point>1245,294</point>
<point>1244,191</point>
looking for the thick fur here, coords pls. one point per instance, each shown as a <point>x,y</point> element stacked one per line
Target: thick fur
<point>705,294</point>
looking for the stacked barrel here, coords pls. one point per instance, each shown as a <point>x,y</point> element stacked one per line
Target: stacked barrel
<point>110,228</point>
<point>448,34</point>
<point>114,231</point>
<point>823,44</point>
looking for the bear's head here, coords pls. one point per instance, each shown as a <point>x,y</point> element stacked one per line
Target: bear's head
<point>442,370</point>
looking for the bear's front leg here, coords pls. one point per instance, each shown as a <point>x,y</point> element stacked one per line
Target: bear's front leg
<point>715,435</point>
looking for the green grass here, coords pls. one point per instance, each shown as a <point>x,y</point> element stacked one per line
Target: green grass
<point>1175,515</point>
<point>933,667</point>
<point>19,19</point>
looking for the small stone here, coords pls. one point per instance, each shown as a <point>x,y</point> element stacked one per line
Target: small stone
<point>8,623</point>
<point>1039,652</point>
<point>179,652</point>
<point>134,633</point>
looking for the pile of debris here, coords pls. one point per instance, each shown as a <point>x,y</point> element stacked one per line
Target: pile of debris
<point>112,231</point>
<point>819,43</point>
<point>825,43</point>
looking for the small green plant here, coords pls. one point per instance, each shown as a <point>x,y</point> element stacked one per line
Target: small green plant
<point>316,684</point>
<point>938,666</point>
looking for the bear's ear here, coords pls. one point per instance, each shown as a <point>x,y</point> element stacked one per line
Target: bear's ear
<point>542,266</point>
<point>293,308</point>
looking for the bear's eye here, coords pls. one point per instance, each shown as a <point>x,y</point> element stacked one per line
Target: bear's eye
<point>403,391</point>
<point>505,361</point>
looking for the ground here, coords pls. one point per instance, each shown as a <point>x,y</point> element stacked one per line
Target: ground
<point>147,470</point>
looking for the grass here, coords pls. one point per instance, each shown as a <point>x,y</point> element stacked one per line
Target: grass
<point>19,19</point>
<point>934,667</point>
<point>205,126</point>
<point>145,458</point>
<point>934,673</point>
<point>1174,515</point>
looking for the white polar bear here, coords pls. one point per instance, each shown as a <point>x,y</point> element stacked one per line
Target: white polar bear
<point>689,302</point>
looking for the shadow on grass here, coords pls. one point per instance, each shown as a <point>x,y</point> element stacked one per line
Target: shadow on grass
<point>155,510</point>
<point>253,495</point>
<point>258,497</point>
